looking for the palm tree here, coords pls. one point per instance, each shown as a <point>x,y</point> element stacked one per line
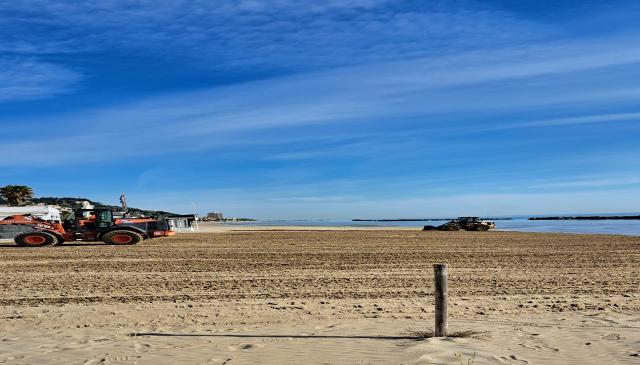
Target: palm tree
<point>16,194</point>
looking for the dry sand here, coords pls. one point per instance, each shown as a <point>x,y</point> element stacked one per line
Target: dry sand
<point>323,297</point>
<point>215,227</point>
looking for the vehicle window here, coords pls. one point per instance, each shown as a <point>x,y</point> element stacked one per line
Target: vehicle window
<point>104,215</point>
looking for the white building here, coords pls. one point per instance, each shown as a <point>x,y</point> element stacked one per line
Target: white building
<point>45,212</point>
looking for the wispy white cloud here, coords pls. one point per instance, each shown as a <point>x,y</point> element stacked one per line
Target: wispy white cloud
<point>23,79</point>
<point>593,182</point>
<point>363,108</point>
<point>275,34</point>
<point>469,83</point>
<point>559,122</point>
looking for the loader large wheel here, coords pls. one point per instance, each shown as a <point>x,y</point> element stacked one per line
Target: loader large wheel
<point>35,239</point>
<point>122,238</point>
<point>481,228</point>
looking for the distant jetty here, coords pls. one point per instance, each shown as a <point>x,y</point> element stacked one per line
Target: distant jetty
<point>587,218</point>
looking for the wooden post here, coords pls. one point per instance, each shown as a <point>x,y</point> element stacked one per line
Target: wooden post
<point>441,294</point>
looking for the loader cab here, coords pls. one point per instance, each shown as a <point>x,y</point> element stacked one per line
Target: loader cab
<point>469,219</point>
<point>97,218</point>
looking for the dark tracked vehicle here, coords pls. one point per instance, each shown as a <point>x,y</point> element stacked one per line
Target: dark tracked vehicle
<point>463,223</point>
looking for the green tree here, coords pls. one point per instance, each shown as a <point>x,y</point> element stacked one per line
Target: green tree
<point>16,194</point>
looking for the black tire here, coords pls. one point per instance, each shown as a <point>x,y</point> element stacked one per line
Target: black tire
<point>482,228</point>
<point>36,239</point>
<point>122,237</point>
<point>451,227</point>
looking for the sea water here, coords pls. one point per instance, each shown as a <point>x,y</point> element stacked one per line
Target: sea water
<point>624,227</point>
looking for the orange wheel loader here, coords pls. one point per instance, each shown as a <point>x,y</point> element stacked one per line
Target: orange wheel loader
<point>88,225</point>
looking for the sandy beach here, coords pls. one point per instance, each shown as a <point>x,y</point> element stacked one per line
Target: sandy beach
<point>323,297</point>
<point>275,182</point>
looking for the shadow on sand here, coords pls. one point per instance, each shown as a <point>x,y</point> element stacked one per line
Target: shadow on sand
<point>156,334</point>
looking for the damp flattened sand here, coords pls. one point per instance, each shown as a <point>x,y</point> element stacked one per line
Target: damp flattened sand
<point>323,297</point>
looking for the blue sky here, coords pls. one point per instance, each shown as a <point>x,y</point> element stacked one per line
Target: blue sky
<point>327,109</point>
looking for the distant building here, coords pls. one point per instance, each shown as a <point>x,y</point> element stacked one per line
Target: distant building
<point>215,216</point>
